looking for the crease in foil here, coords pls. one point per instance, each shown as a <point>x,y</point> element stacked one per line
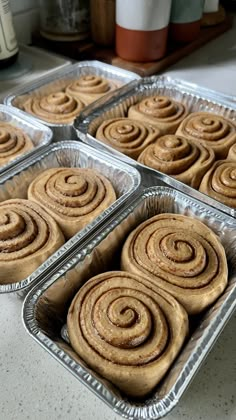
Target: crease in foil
<point>14,184</point>
<point>39,134</point>
<point>196,98</point>
<point>48,83</point>
<point>45,307</point>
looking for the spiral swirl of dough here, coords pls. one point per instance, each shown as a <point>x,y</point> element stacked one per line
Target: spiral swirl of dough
<point>220,182</point>
<point>28,236</point>
<point>177,156</point>
<point>73,196</point>
<point>161,111</point>
<point>126,135</point>
<point>13,142</point>
<point>210,130</point>
<point>57,107</point>
<point>181,255</point>
<point>232,153</point>
<point>126,329</point>
<point>90,87</point>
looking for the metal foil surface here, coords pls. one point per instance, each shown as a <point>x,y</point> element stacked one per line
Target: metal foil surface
<point>195,97</point>
<point>39,134</point>
<point>14,184</point>
<point>47,84</point>
<point>45,307</point>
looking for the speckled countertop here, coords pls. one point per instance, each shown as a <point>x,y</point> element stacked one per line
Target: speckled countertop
<point>34,386</point>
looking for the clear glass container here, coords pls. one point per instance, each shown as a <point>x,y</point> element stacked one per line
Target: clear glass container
<point>64,20</point>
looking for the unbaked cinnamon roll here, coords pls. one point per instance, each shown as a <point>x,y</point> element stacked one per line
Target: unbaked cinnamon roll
<point>90,87</point>
<point>28,236</point>
<point>126,135</point>
<point>127,329</point>
<point>14,142</point>
<point>57,107</point>
<point>232,153</point>
<point>179,157</point>
<point>73,196</point>
<point>160,111</point>
<point>220,182</point>
<point>210,130</point>
<point>181,255</point>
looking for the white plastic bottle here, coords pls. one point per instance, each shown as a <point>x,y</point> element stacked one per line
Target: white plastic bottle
<point>8,43</point>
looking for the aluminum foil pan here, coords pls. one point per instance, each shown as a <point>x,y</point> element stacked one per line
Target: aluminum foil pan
<point>38,133</point>
<point>47,84</point>
<point>194,97</point>
<point>46,306</point>
<point>14,184</point>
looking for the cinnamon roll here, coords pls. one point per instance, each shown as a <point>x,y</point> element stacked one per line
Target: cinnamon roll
<point>210,130</point>
<point>127,329</point>
<point>180,255</point>
<point>126,135</point>
<point>220,182</point>
<point>57,107</point>
<point>72,196</point>
<point>232,153</point>
<point>160,111</point>
<point>90,87</point>
<point>13,142</point>
<point>179,157</point>
<point>28,236</point>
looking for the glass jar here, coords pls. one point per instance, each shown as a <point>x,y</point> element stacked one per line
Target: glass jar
<point>64,20</point>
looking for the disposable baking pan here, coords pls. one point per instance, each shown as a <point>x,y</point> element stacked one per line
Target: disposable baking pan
<point>46,84</point>
<point>38,133</point>
<point>195,97</point>
<point>14,184</point>
<point>46,306</point>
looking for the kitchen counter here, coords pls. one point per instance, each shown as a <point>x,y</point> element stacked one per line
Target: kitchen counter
<point>34,386</point>
<point>212,66</point>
